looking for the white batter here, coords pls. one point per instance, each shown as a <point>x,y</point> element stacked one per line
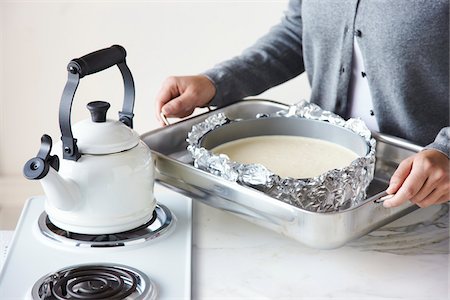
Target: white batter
<point>288,156</point>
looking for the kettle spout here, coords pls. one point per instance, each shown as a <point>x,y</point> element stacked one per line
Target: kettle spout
<point>60,193</point>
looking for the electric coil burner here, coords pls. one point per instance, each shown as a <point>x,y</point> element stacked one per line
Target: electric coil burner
<point>105,281</point>
<point>160,225</point>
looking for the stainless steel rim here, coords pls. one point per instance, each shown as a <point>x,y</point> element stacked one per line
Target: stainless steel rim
<point>163,222</point>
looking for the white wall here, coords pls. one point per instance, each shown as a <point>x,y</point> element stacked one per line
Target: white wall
<point>162,38</point>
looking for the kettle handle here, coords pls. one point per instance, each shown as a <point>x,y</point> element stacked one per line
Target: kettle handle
<point>89,64</point>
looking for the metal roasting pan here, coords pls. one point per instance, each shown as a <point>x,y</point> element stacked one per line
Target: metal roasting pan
<point>318,230</point>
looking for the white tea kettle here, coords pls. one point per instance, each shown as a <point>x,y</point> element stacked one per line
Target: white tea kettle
<point>105,182</point>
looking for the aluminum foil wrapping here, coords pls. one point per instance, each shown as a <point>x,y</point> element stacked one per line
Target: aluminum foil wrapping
<point>335,190</point>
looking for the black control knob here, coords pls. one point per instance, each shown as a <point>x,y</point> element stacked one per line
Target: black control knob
<point>98,110</point>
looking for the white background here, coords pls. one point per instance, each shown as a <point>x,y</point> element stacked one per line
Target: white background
<point>162,38</point>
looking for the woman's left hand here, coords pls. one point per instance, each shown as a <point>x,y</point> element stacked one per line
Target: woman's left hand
<point>423,179</point>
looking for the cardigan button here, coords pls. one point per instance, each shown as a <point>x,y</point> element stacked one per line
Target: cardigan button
<point>358,33</point>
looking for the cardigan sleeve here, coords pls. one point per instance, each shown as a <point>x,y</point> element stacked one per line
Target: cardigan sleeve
<point>273,59</point>
<point>442,142</point>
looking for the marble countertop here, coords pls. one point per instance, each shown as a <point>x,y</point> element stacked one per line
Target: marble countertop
<point>233,259</point>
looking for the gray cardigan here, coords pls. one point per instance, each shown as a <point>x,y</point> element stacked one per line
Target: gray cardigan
<point>405,46</point>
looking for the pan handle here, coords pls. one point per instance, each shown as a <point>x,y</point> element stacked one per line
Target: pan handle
<point>166,121</point>
<point>90,64</point>
<point>164,118</point>
<point>382,197</point>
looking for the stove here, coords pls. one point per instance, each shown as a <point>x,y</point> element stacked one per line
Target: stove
<point>149,262</point>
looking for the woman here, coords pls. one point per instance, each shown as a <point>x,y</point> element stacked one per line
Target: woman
<point>384,61</point>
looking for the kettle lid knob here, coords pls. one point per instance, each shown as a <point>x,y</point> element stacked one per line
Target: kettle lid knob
<point>98,110</point>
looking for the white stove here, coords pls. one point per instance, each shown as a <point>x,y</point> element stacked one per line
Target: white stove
<point>150,262</point>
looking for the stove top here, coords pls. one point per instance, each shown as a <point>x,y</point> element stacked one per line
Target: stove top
<point>150,262</point>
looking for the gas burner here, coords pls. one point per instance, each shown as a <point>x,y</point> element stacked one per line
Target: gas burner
<point>160,224</point>
<point>99,281</point>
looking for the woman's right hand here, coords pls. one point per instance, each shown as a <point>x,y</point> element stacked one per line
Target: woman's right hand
<point>180,95</point>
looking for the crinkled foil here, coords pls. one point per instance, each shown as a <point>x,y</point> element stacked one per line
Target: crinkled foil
<point>335,190</point>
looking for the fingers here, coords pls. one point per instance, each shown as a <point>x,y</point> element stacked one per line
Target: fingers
<point>425,191</point>
<point>434,197</point>
<point>427,183</point>
<point>439,193</point>
<point>168,91</point>
<point>180,95</point>
<point>434,181</point>
<point>180,107</point>
<point>410,187</point>
<point>400,175</point>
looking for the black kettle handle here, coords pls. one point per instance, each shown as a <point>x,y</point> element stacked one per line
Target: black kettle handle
<point>89,64</point>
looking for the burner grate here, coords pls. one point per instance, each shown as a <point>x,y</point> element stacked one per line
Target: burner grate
<point>95,282</point>
<point>160,225</point>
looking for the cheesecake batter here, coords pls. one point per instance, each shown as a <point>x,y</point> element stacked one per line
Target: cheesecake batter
<point>288,156</point>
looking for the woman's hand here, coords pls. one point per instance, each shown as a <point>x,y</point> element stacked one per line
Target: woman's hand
<point>422,179</point>
<point>180,95</point>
